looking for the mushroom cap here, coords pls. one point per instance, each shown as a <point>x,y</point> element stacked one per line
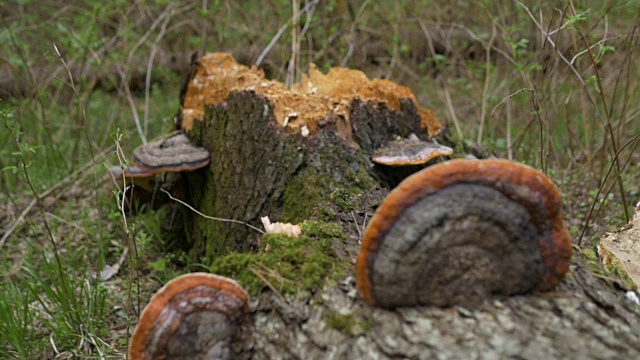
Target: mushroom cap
<point>192,314</point>
<point>411,151</point>
<point>174,154</point>
<point>439,237</point>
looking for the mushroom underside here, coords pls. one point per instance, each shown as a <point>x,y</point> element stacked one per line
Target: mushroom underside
<point>457,246</point>
<point>200,323</point>
<point>128,171</point>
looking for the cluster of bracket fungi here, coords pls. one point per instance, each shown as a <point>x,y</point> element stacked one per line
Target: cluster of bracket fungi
<point>455,233</point>
<point>175,154</point>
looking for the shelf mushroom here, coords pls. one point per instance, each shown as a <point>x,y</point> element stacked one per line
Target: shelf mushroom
<point>409,151</point>
<point>194,316</point>
<point>460,231</point>
<point>174,154</point>
<point>128,171</point>
<point>132,174</point>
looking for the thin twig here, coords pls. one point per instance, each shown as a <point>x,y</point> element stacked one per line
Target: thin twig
<point>72,224</point>
<point>273,41</point>
<point>485,89</point>
<point>447,97</point>
<point>291,71</point>
<point>609,127</point>
<point>508,135</point>
<point>355,222</point>
<point>205,23</point>
<point>268,283</point>
<point>452,110</point>
<point>509,97</point>
<point>123,163</point>
<point>210,217</point>
<point>147,82</point>
<point>66,181</point>
<point>56,255</point>
<point>282,29</point>
<point>595,199</point>
<point>132,104</point>
<point>536,108</point>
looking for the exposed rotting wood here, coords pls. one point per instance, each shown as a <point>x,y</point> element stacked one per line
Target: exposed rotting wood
<point>308,103</point>
<point>620,252</point>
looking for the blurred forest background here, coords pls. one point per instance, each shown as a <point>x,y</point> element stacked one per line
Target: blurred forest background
<point>553,84</point>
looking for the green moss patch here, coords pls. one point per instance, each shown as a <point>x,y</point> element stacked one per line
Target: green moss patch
<point>615,268</point>
<point>302,194</point>
<point>591,260</point>
<point>348,324</point>
<point>288,264</point>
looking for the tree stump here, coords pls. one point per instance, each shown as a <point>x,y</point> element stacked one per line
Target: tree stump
<point>306,153</point>
<point>281,153</point>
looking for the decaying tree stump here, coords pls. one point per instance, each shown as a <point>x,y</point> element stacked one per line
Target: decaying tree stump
<point>293,154</point>
<point>281,153</point>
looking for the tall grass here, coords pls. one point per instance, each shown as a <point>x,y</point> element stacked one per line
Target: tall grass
<point>16,322</point>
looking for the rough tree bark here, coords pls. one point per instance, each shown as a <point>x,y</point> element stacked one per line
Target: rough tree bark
<point>285,154</point>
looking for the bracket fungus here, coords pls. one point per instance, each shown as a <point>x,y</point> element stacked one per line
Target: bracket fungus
<point>174,154</point>
<point>458,232</point>
<point>194,316</point>
<point>117,172</point>
<point>410,151</point>
<point>132,175</point>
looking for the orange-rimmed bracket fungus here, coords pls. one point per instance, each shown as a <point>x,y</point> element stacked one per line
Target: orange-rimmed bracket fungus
<point>194,316</point>
<point>410,151</point>
<point>461,231</point>
<point>174,154</point>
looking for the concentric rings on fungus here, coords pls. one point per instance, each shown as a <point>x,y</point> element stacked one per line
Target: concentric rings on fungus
<point>194,316</point>
<point>174,154</point>
<point>460,231</point>
<point>410,151</point>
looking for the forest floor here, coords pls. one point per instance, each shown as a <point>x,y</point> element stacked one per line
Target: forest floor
<point>70,89</point>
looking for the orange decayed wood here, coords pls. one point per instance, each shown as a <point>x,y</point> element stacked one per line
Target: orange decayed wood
<point>305,104</point>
